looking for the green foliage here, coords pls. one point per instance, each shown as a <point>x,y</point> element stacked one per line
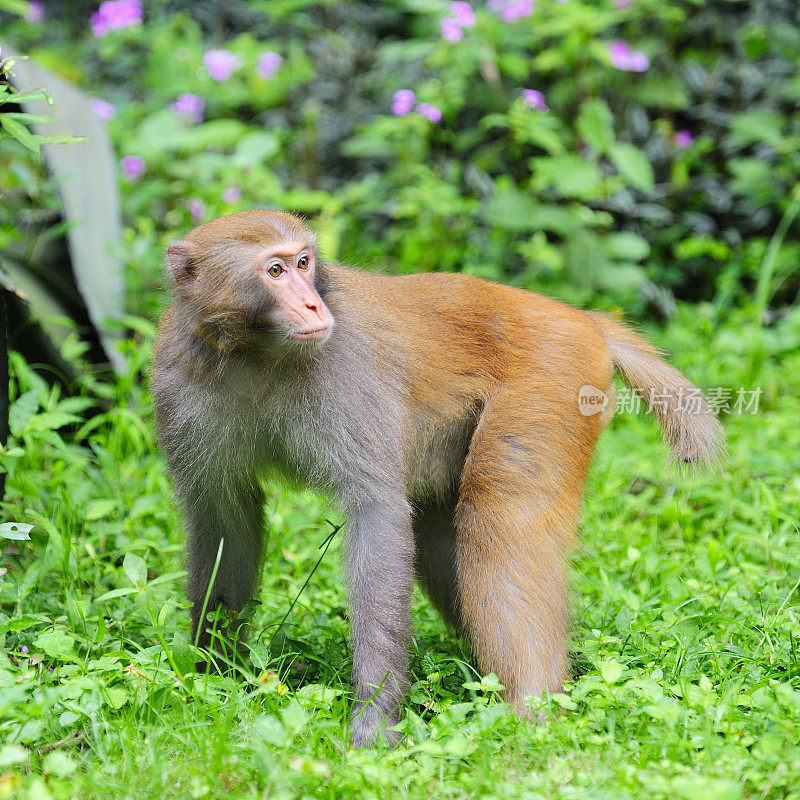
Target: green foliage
<point>16,125</point>
<point>687,616</point>
<point>696,155</point>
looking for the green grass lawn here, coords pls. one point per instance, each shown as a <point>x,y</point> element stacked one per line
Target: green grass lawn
<point>686,640</point>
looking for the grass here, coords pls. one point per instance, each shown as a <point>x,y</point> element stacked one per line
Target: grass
<point>686,640</point>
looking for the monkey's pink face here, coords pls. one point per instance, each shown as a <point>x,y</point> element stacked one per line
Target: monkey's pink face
<point>287,270</point>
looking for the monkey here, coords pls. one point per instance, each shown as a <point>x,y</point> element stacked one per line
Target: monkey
<point>442,411</point>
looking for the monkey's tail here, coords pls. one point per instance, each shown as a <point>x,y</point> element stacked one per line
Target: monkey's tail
<point>689,425</point>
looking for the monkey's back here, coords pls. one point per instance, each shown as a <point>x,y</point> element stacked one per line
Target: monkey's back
<point>476,327</point>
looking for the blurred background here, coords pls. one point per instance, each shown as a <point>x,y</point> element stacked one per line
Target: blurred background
<point>612,153</point>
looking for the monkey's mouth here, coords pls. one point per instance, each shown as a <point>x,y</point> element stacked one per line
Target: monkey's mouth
<point>313,335</point>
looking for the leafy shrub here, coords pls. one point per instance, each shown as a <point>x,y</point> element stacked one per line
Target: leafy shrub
<point>607,151</point>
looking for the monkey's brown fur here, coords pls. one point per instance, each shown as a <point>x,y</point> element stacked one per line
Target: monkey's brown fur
<point>442,410</point>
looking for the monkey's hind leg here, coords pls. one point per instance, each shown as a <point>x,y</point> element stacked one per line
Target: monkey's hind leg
<point>435,556</point>
<point>519,501</point>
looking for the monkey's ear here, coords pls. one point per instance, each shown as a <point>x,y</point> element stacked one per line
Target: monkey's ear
<point>180,262</point>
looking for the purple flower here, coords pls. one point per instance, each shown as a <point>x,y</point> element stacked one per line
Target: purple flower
<point>233,194</point>
<point>535,99</point>
<point>463,13</point>
<point>24,649</point>
<point>268,64</point>
<point>221,64</point>
<point>622,57</point>
<point>103,109</point>
<point>451,30</point>
<point>190,106</point>
<point>430,112</point>
<point>115,14</point>
<point>403,101</point>
<point>133,167</point>
<point>682,139</point>
<point>197,210</point>
<point>34,14</point>
<point>512,10</point>
<point>623,5</point>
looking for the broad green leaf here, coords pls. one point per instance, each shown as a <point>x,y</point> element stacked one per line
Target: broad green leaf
<point>19,132</point>
<point>294,716</point>
<point>752,127</point>
<point>59,764</point>
<point>633,165</point>
<point>86,176</point>
<point>33,95</point>
<point>317,695</point>
<point>116,697</point>
<point>116,593</point>
<point>511,210</point>
<point>23,409</point>
<point>135,569</point>
<point>51,421</point>
<point>75,405</point>
<point>532,127</point>
<point>555,218</point>
<point>255,148</point>
<point>21,623</point>
<point>627,246</point>
<point>97,509</point>
<point>611,671</point>
<point>11,754</point>
<point>31,731</point>
<point>68,718</point>
<point>564,700</point>
<point>569,174</point>
<point>269,730</point>
<point>166,577</point>
<point>57,643</point>
<point>695,246</point>
<point>595,124</point>
<point>182,653</point>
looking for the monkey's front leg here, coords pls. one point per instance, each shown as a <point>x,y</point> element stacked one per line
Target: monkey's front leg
<point>234,515</point>
<point>380,561</point>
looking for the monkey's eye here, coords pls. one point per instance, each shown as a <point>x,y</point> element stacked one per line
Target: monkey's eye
<point>274,270</point>
<point>302,262</point>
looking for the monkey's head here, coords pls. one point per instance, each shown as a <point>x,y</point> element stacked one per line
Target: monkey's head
<point>252,274</point>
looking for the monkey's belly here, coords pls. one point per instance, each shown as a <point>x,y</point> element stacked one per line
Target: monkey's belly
<point>436,462</point>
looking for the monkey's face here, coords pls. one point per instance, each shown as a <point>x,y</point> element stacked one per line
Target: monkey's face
<point>253,278</point>
<point>287,272</point>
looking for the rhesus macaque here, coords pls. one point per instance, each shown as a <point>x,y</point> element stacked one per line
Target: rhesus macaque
<point>441,410</point>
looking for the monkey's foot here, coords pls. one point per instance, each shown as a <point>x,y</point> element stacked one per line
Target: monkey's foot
<point>220,660</point>
<point>370,725</point>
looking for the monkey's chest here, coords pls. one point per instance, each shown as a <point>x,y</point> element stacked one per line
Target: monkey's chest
<point>350,449</point>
